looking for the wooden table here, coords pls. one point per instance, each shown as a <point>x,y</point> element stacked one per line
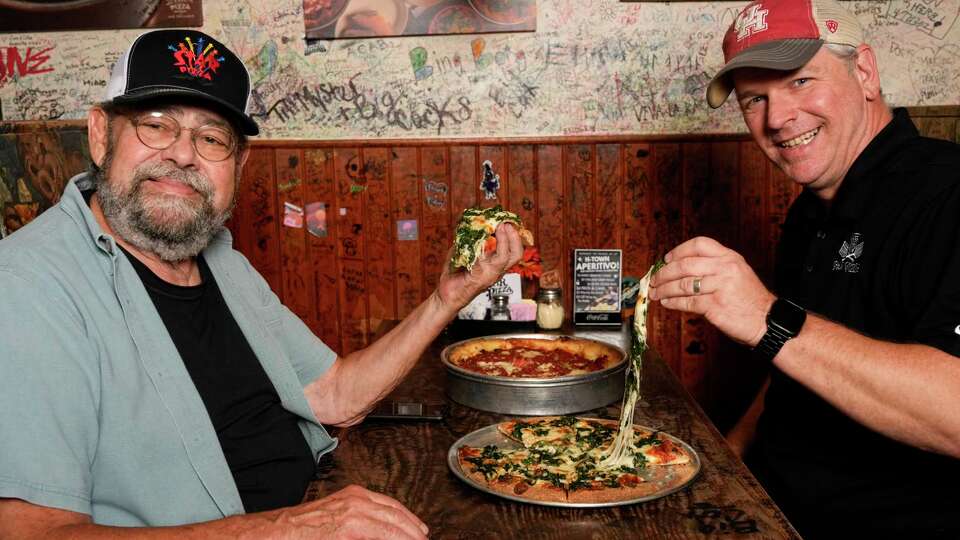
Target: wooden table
<point>407,460</point>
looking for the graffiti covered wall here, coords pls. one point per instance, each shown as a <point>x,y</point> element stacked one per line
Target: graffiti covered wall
<point>592,67</point>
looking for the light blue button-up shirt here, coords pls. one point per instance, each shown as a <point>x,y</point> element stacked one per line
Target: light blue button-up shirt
<point>98,414</point>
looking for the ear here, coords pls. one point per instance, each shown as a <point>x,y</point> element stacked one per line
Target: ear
<point>868,73</point>
<point>243,157</point>
<point>97,134</point>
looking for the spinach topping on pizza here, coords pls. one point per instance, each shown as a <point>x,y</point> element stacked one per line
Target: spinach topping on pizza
<point>558,459</point>
<point>474,234</point>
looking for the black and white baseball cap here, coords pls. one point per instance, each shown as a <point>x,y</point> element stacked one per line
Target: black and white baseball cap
<point>183,63</point>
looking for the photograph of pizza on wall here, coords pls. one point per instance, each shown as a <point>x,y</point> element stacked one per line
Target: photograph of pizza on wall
<point>48,15</point>
<point>340,19</point>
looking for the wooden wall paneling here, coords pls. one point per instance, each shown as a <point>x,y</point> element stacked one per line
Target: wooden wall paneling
<point>699,209</point>
<point>496,155</point>
<point>351,184</point>
<point>754,194</point>
<point>406,207</point>
<point>523,184</point>
<point>320,187</point>
<point>295,267</point>
<point>260,198</point>
<point>726,361</point>
<point>637,212</point>
<point>378,238</point>
<point>666,233</point>
<point>608,198</point>
<point>579,173</point>
<point>940,128</point>
<point>437,232</point>
<point>550,220</point>
<point>463,180</point>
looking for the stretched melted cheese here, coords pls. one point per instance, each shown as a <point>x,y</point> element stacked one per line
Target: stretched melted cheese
<point>623,448</point>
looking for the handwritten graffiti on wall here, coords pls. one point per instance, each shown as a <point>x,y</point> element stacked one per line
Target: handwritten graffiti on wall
<point>591,68</point>
<point>15,62</point>
<point>347,103</point>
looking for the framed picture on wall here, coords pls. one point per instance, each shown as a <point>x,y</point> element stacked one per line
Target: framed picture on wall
<point>337,19</point>
<point>49,15</point>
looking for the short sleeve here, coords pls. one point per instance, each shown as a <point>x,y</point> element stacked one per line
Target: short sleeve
<point>49,396</point>
<point>931,274</point>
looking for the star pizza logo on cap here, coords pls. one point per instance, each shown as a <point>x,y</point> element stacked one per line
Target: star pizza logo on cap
<point>832,25</point>
<point>196,59</point>
<point>751,21</point>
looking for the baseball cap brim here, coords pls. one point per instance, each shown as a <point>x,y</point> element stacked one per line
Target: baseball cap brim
<point>782,55</point>
<point>244,121</point>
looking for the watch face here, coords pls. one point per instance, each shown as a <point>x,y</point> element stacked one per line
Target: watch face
<point>787,316</point>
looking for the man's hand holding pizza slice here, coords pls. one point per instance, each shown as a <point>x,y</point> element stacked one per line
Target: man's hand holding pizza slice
<point>486,243</point>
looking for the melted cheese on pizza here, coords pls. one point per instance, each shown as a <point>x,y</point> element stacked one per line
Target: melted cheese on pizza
<point>475,230</point>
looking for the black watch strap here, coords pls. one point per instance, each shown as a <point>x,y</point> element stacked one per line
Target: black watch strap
<point>784,321</point>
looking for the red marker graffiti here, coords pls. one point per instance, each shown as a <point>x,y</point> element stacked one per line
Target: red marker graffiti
<point>13,63</point>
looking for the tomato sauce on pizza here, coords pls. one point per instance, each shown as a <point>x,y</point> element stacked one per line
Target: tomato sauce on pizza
<point>533,357</point>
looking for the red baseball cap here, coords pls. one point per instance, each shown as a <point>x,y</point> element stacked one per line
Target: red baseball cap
<point>782,35</point>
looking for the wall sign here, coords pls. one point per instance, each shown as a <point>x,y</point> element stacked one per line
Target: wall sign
<point>596,286</point>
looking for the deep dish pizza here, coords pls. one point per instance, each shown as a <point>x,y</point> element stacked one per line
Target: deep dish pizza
<point>556,459</point>
<point>534,358</point>
<point>474,234</point>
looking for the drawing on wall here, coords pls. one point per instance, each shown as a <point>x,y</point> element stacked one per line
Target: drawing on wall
<point>332,19</point>
<point>34,168</point>
<point>44,15</point>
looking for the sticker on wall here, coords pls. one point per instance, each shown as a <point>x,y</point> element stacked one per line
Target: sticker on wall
<point>491,181</point>
<point>317,219</point>
<point>292,215</point>
<point>407,229</point>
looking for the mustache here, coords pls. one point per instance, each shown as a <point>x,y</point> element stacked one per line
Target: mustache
<point>194,179</point>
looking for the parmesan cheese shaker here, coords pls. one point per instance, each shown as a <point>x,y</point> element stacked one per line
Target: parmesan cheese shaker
<point>549,309</point>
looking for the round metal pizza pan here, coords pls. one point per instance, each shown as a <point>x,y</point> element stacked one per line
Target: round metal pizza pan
<point>669,483</point>
<point>535,396</point>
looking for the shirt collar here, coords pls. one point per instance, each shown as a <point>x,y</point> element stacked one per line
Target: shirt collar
<point>73,203</point>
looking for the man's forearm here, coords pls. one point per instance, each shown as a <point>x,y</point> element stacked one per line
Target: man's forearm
<point>908,392</point>
<point>355,383</point>
<point>23,520</point>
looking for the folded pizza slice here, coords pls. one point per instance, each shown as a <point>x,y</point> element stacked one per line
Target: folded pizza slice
<point>474,234</point>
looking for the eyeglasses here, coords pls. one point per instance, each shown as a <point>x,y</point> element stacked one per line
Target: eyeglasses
<point>159,131</point>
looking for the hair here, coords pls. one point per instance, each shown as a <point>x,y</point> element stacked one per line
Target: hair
<point>845,53</point>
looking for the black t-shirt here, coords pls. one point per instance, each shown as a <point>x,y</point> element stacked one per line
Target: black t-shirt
<point>884,260</point>
<point>262,442</point>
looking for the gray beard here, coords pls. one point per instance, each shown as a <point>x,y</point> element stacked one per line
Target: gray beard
<point>173,228</point>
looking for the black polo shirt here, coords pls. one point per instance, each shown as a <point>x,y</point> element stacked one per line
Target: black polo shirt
<point>884,260</point>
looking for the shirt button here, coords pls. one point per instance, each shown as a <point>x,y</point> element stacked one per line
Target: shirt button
<point>821,235</point>
<point>808,268</point>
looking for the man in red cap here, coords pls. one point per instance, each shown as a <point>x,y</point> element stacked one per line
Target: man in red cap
<point>859,434</point>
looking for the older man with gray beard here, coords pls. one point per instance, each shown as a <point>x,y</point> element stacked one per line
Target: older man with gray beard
<point>151,383</point>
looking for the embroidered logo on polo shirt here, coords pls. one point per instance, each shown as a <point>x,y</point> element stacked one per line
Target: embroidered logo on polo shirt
<point>850,251</point>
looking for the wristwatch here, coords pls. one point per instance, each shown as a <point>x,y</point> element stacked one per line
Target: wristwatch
<point>784,321</point>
